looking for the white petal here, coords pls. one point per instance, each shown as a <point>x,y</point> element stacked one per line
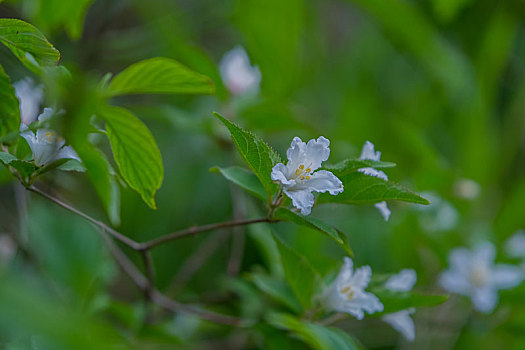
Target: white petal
<point>346,271</point>
<point>361,277</point>
<point>238,74</point>
<point>383,209</point>
<point>515,245</point>
<point>484,299</point>
<point>280,173</point>
<point>402,322</point>
<point>368,152</point>
<point>374,172</point>
<point>67,152</point>
<point>324,181</point>
<point>454,282</point>
<point>301,199</point>
<point>46,115</point>
<point>296,154</point>
<point>506,276</point>
<point>484,253</point>
<point>316,152</point>
<point>30,98</point>
<point>368,302</point>
<point>460,260</point>
<point>403,281</point>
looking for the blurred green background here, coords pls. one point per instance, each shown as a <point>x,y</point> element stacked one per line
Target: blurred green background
<point>438,86</point>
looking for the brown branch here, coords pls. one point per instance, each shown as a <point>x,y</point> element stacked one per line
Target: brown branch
<point>113,233</point>
<point>150,272</point>
<point>198,229</point>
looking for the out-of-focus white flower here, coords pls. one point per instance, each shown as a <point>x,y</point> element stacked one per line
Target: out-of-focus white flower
<point>46,145</point>
<point>299,177</point>
<point>401,320</point>
<point>440,215</point>
<point>7,249</point>
<point>347,292</point>
<point>237,73</point>
<point>515,245</point>
<point>467,189</point>
<point>368,152</point>
<point>474,274</point>
<point>30,98</point>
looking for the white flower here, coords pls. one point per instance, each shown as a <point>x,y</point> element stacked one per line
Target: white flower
<point>474,274</point>
<point>368,152</point>
<point>30,98</point>
<point>237,73</point>
<point>440,215</point>
<point>347,292</point>
<point>515,245</point>
<point>467,189</point>
<point>298,178</point>
<point>401,320</point>
<point>46,145</point>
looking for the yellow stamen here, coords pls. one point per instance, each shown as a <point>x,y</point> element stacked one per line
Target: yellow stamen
<point>308,170</point>
<point>302,177</point>
<point>301,167</point>
<point>308,178</point>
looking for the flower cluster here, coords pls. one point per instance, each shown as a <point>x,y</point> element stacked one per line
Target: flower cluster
<point>46,146</point>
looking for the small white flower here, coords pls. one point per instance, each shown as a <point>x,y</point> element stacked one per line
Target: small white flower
<point>30,98</point>
<point>467,189</point>
<point>368,152</point>
<point>347,292</point>
<point>237,73</point>
<point>401,320</point>
<point>299,177</point>
<point>474,274</point>
<point>439,216</point>
<point>46,145</point>
<point>515,245</point>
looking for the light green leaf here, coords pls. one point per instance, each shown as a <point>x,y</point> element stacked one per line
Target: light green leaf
<point>397,301</point>
<point>243,178</point>
<point>54,14</point>
<point>9,110</point>
<point>135,152</point>
<point>278,290</point>
<point>72,165</point>
<point>300,275</point>
<point>315,335</point>
<point>348,166</point>
<point>286,214</point>
<point>257,154</point>
<point>28,44</point>
<point>364,189</point>
<point>159,75</point>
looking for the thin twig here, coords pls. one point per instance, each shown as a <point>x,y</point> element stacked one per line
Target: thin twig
<point>198,229</point>
<point>113,233</point>
<point>150,272</point>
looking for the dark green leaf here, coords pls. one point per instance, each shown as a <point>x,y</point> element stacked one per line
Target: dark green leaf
<point>278,290</point>
<point>300,275</point>
<point>315,335</point>
<point>348,166</point>
<point>135,152</point>
<point>9,110</point>
<point>28,44</point>
<point>364,189</point>
<point>286,214</point>
<point>159,75</point>
<point>24,168</point>
<point>243,178</point>
<point>257,154</point>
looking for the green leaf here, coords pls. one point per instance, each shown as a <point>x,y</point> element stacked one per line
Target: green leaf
<point>24,168</point>
<point>315,335</point>
<point>159,75</point>
<point>53,14</point>
<point>348,166</point>
<point>257,154</point>
<point>397,301</point>
<point>300,275</point>
<point>28,44</point>
<point>135,152</point>
<point>286,214</point>
<point>9,110</point>
<point>364,189</point>
<point>243,178</point>
<point>278,290</point>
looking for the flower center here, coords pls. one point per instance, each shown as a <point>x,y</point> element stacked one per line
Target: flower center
<point>302,173</point>
<point>478,276</point>
<point>348,292</point>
